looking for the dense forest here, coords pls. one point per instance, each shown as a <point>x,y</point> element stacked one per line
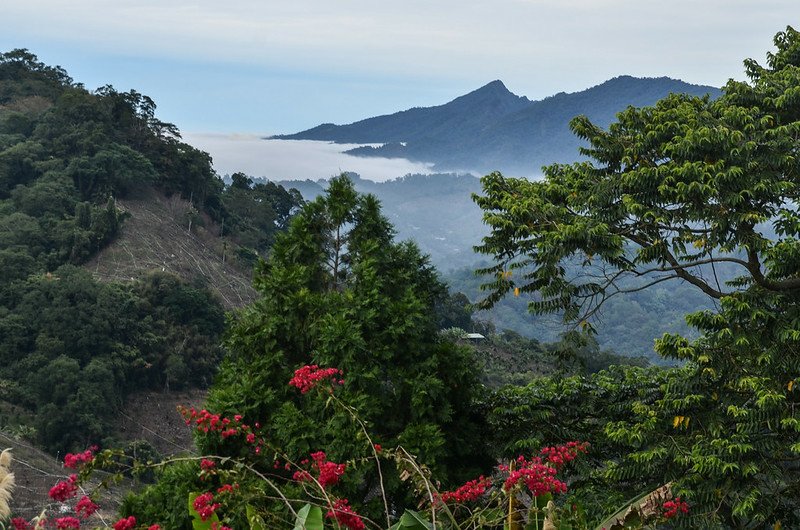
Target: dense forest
<point>350,395</point>
<point>72,348</point>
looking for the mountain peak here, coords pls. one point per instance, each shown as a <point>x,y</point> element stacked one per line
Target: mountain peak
<point>494,86</point>
<point>494,94</point>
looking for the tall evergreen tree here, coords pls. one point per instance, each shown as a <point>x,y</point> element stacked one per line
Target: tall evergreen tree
<point>338,291</point>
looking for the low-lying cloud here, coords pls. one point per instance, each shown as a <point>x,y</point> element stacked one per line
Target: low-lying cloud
<point>295,159</point>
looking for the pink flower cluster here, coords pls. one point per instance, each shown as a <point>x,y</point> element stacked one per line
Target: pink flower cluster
<point>85,507</point>
<point>470,491</point>
<point>207,422</point>
<point>561,454</point>
<point>310,376</point>
<point>328,472</point>
<point>67,523</point>
<point>671,508</point>
<point>538,477</point>
<point>205,506</point>
<point>74,461</point>
<point>18,523</point>
<point>345,515</point>
<point>66,489</point>
<point>127,523</point>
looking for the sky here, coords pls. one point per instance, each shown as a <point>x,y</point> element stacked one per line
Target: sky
<point>267,67</point>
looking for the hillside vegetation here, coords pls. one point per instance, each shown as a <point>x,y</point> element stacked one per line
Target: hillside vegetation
<point>95,179</point>
<point>349,396</point>
<point>438,213</point>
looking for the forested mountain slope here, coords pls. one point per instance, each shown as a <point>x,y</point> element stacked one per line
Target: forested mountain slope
<point>94,180</point>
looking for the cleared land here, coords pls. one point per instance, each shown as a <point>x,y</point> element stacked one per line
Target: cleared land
<point>156,237</point>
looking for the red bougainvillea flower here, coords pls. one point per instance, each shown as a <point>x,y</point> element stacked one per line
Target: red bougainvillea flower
<point>74,461</point>
<point>470,491</point>
<point>561,454</point>
<point>205,506</point>
<point>345,515</point>
<point>538,474</point>
<point>18,523</point>
<point>328,472</point>
<point>154,527</point>
<point>671,508</point>
<point>66,489</point>
<point>228,488</point>
<point>310,376</point>
<point>125,524</point>
<point>85,507</point>
<point>538,477</point>
<point>219,526</point>
<point>207,465</point>
<point>206,422</point>
<point>67,523</point>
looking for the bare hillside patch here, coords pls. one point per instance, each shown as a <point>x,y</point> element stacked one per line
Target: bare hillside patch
<point>156,237</point>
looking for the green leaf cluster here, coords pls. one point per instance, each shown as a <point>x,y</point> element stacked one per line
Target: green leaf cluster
<point>700,192</point>
<point>338,291</point>
<point>72,349</point>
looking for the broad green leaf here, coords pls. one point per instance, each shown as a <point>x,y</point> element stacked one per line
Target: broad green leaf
<point>415,521</point>
<point>309,518</point>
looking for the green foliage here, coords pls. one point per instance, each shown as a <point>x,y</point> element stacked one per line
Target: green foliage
<point>158,502</point>
<point>552,409</point>
<point>256,213</point>
<point>309,518</point>
<point>726,429</point>
<point>337,291</point>
<point>412,520</point>
<point>699,191</point>
<point>509,358</point>
<point>71,348</point>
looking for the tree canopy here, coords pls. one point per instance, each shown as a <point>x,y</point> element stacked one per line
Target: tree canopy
<point>690,189</point>
<point>698,191</point>
<point>337,291</point>
<point>72,348</point>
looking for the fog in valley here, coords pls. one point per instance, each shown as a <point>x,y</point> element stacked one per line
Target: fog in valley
<point>294,159</point>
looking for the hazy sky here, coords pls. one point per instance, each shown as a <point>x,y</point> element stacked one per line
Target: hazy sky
<point>267,66</point>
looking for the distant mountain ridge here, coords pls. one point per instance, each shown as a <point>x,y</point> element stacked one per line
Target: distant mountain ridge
<point>493,129</point>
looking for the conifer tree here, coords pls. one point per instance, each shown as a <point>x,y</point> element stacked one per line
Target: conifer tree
<point>338,291</point>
